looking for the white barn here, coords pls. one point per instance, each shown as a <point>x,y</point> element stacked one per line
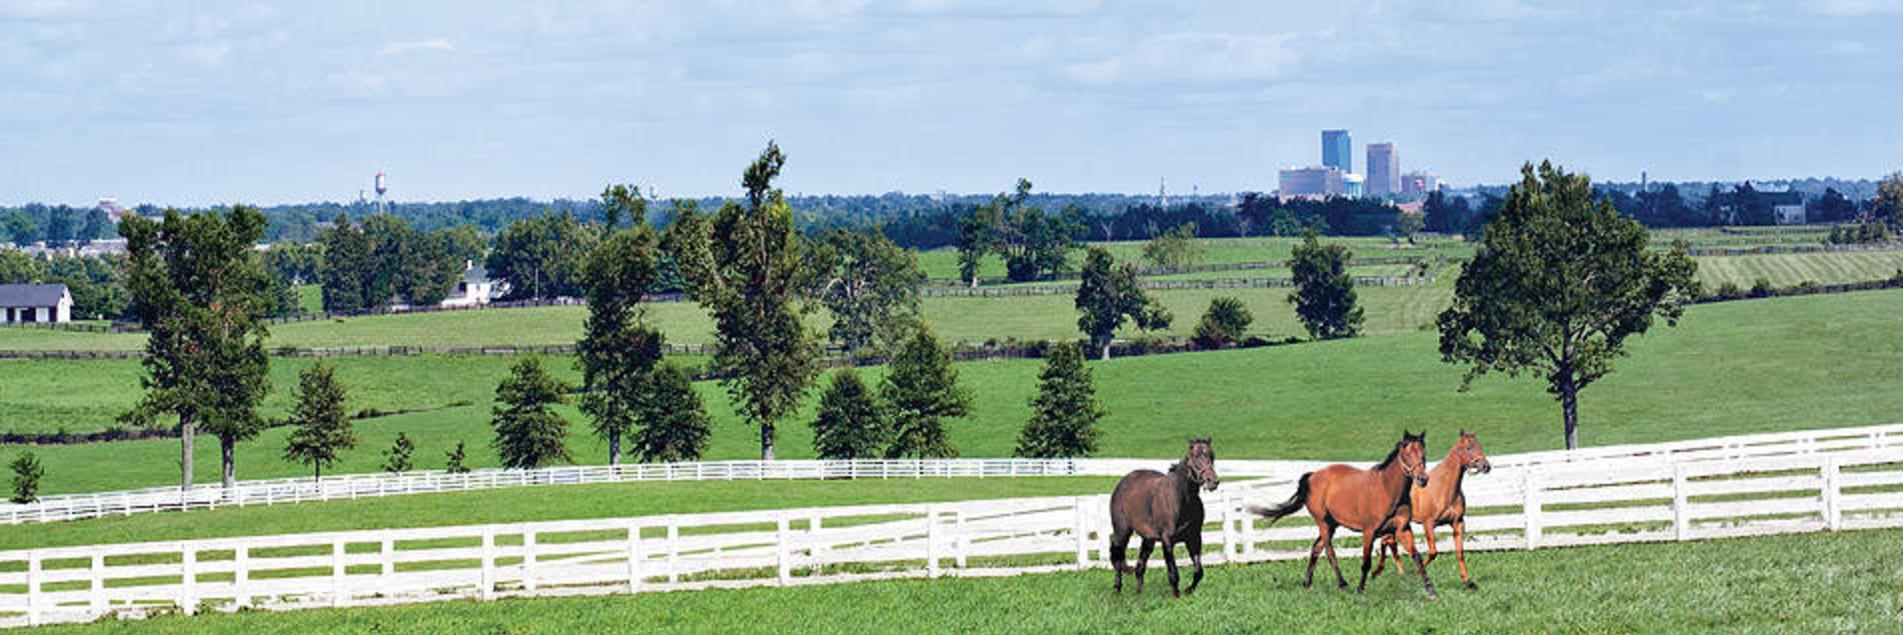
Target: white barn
<point>35,303</point>
<point>475,288</point>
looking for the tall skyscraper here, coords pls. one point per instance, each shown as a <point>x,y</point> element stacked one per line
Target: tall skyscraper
<point>1384,170</point>
<point>1338,151</point>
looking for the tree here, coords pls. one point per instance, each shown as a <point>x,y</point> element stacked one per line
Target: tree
<point>1064,413</point>
<point>674,424</point>
<point>457,456</point>
<point>978,235</point>
<point>397,458</point>
<point>617,352</point>
<point>27,473</point>
<point>529,434</point>
<point>1174,249</point>
<point>1109,294</point>
<point>322,429</point>
<point>21,228</point>
<point>1223,323</point>
<point>850,424</point>
<point>1324,295</point>
<point>541,257</point>
<point>1887,207</point>
<point>98,226</point>
<point>1559,283</point>
<point>201,294</point>
<point>870,287</point>
<point>920,391</point>
<point>346,263</point>
<point>1407,224</point>
<point>622,201</point>
<point>1033,244</point>
<point>749,268</point>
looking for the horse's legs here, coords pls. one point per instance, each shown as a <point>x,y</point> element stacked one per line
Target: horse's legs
<point>1194,544</point>
<point>1395,550</point>
<point>1368,544</point>
<point>1119,542</point>
<point>1432,550</point>
<point>1381,557</point>
<point>1460,551</point>
<point>1169,562</point>
<point>1314,552</point>
<point>1423,566</point>
<point>1143,561</point>
<point>1329,543</point>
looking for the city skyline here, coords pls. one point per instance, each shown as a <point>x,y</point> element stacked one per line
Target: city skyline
<point>207,104</point>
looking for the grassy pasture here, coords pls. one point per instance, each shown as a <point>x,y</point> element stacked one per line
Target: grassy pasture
<point>1800,583</point>
<point>1785,270</point>
<point>1730,368</point>
<point>943,263</point>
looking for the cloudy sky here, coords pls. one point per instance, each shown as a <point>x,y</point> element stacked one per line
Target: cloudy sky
<point>198,102</point>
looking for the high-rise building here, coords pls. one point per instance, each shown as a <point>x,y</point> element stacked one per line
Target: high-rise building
<point>1312,182</point>
<point>1418,184</point>
<point>1338,151</point>
<point>1384,170</point>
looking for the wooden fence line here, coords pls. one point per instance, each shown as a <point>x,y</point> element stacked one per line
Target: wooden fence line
<point>1526,507</point>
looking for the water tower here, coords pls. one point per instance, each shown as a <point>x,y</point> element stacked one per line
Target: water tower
<point>382,187</point>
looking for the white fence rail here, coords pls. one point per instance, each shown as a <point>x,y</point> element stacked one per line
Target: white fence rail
<point>353,486</point>
<point>1516,507</point>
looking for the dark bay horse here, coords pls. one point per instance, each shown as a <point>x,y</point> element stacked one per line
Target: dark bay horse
<point>1442,502</point>
<point>1372,501</point>
<point>1163,509</point>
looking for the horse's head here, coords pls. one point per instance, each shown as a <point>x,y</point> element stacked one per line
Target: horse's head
<point>1411,451</point>
<point>1467,451</point>
<point>1200,462</point>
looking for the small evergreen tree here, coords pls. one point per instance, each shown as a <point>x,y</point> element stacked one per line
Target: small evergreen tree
<point>397,458</point>
<point>920,390</point>
<point>323,429</point>
<point>1324,295</point>
<point>27,473</point>
<point>1064,413</point>
<point>674,424</point>
<point>849,425</point>
<point>456,458</point>
<point>1223,324</point>
<point>528,432</point>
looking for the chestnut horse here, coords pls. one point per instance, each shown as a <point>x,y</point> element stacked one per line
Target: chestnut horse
<point>1163,509</point>
<point>1442,502</point>
<point>1372,501</point>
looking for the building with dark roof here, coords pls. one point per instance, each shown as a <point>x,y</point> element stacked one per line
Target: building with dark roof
<point>35,303</point>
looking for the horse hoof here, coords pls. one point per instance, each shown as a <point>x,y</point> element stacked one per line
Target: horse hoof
<point>1431,596</point>
<point>1473,586</point>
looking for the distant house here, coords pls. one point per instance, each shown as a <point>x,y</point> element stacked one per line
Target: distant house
<point>474,289</point>
<point>1787,207</point>
<point>35,303</point>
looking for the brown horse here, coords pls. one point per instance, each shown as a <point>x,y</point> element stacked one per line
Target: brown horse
<point>1442,502</point>
<point>1372,501</point>
<point>1165,509</point>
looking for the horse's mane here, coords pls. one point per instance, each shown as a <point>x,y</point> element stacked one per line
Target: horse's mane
<point>1391,454</point>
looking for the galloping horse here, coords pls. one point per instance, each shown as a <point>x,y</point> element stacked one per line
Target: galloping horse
<point>1163,508</point>
<point>1372,501</point>
<point>1441,502</point>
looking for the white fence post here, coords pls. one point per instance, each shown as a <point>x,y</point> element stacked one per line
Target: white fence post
<point>387,553</point>
<point>33,588</point>
<point>1530,508</point>
<point>338,592</point>
<point>1833,495</point>
<point>528,559</point>
<point>188,579</point>
<point>815,545</point>
<point>961,542</point>
<point>1081,530</point>
<point>488,589</point>
<point>1229,546</point>
<point>784,551</point>
<point>634,557</point>
<point>97,577</point>
<point>673,552</point>
<point>1681,508</point>
<point>931,541</point>
<point>241,577</point>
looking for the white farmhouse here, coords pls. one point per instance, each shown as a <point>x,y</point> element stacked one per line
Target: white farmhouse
<point>35,303</point>
<point>474,289</point>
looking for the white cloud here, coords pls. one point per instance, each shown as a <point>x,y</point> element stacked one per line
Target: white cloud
<point>432,44</point>
<point>1192,58</point>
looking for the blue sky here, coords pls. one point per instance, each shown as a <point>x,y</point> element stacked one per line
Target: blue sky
<point>197,103</point>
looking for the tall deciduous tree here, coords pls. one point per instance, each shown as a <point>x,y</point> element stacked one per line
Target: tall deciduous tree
<point>674,424</point>
<point>623,202</point>
<point>541,257</point>
<point>870,287</point>
<point>346,265</point>
<point>750,269</point>
<point>617,352</point>
<point>321,429</point>
<point>202,294</point>
<point>1108,295</point>
<point>1174,249</point>
<point>920,391</point>
<point>1064,413</point>
<point>1559,283</point>
<point>1324,295</point>
<point>1887,207</point>
<point>850,424</point>
<point>529,434</point>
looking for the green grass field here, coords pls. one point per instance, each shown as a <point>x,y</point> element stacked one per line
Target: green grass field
<point>942,264</point>
<point>1784,584</point>
<point>566,502</point>
<point>1729,368</point>
<point>1786,270</point>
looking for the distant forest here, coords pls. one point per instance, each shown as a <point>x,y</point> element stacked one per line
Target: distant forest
<point>929,221</point>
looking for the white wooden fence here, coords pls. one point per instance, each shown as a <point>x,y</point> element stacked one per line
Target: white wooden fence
<point>353,486</point>
<point>1516,507</point>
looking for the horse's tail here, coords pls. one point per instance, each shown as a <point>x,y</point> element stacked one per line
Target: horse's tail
<point>1287,507</point>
